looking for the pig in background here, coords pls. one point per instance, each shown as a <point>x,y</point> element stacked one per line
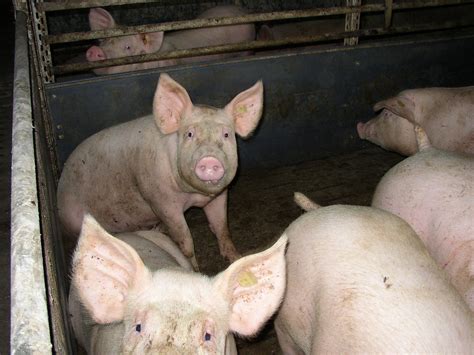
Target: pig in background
<point>158,42</point>
<point>152,169</point>
<point>136,294</point>
<point>446,114</point>
<point>359,281</point>
<point>433,191</point>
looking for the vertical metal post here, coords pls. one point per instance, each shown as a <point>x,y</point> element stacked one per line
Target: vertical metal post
<point>352,23</point>
<point>30,333</point>
<point>42,48</point>
<point>388,13</point>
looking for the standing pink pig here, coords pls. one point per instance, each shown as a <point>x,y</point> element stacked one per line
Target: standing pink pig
<point>446,114</point>
<point>359,281</point>
<point>135,294</point>
<point>434,192</point>
<point>117,47</point>
<point>136,174</point>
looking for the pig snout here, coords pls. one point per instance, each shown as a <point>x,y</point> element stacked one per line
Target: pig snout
<point>209,169</point>
<point>95,53</point>
<point>361,129</point>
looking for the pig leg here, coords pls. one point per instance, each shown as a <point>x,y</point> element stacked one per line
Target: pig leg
<point>216,213</point>
<point>179,231</point>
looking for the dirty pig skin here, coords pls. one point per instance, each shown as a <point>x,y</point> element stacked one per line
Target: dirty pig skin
<point>152,169</point>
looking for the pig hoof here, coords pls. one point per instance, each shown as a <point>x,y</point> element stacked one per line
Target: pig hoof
<point>194,263</point>
<point>232,256</point>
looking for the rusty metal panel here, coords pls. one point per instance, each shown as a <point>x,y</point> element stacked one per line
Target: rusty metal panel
<point>312,100</point>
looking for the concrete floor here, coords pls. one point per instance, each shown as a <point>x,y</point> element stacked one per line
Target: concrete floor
<point>6,87</point>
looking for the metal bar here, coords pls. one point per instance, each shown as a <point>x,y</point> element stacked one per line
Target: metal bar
<point>30,332</point>
<point>40,32</point>
<point>208,22</point>
<point>352,23</point>
<point>388,13</point>
<point>69,68</point>
<point>58,6</point>
<point>224,21</point>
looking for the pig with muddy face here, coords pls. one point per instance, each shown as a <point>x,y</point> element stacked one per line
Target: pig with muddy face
<point>117,47</point>
<point>135,294</point>
<point>359,281</point>
<point>446,114</point>
<point>434,192</point>
<point>152,169</point>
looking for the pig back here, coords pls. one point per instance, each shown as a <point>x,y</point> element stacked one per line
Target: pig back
<point>359,280</point>
<point>434,192</point>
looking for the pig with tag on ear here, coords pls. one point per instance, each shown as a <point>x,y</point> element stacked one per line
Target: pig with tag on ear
<point>129,295</point>
<point>152,169</point>
<point>446,115</point>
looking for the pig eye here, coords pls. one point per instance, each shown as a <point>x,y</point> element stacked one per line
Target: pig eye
<point>138,328</point>
<point>190,133</point>
<point>207,336</point>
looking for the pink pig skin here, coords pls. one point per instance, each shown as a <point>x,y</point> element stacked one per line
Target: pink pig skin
<point>434,192</point>
<point>136,294</point>
<point>359,281</point>
<point>116,47</point>
<point>446,115</point>
<point>152,169</point>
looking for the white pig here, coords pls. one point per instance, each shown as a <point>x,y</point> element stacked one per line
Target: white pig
<point>359,281</point>
<point>152,169</point>
<point>434,192</point>
<point>117,47</point>
<point>446,114</point>
<point>135,296</point>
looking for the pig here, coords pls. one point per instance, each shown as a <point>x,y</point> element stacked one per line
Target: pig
<point>446,114</point>
<point>433,191</point>
<point>359,281</point>
<point>149,170</point>
<point>135,294</point>
<point>144,43</point>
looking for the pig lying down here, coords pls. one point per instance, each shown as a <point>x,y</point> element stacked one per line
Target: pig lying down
<point>434,192</point>
<point>152,169</point>
<point>130,295</point>
<point>359,281</point>
<point>446,114</point>
<point>117,47</point>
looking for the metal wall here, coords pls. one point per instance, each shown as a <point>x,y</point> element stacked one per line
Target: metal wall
<point>312,100</point>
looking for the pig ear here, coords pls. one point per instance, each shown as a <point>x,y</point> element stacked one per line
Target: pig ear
<point>246,109</point>
<point>104,271</point>
<point>171,102</point>
<point>100,19</point>
<point>399,105</point>
<point>152,41</point>
<point>254,287</point>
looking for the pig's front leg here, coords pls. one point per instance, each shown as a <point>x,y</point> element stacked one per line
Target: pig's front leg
<point>179,231</point>
<point>216,212</point>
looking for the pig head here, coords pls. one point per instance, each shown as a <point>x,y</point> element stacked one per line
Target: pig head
<point>151,42</point>
<point>446,115</point>
<point>433,191</point>
<point>121,304</point>
<point>152,169</point>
